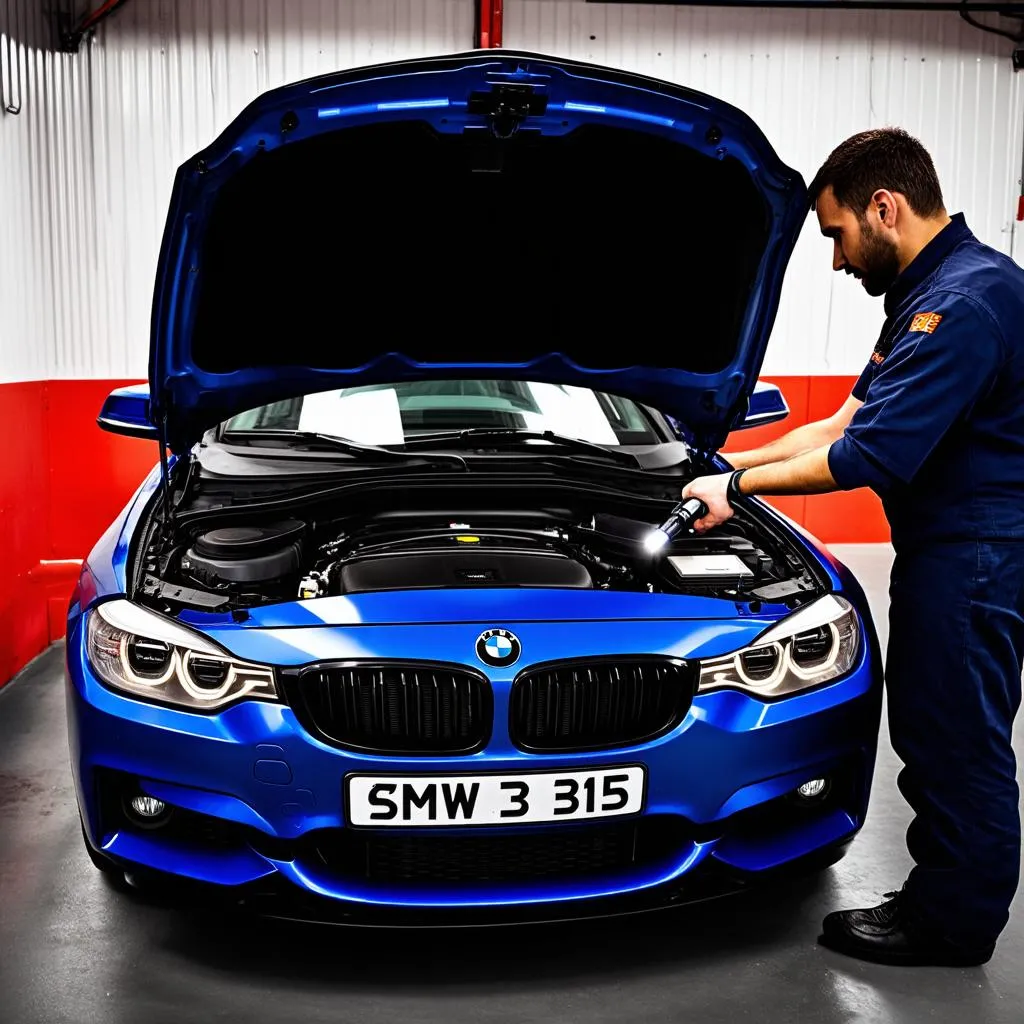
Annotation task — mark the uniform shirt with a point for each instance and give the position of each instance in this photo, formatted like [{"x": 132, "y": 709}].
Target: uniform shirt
[{"x": 940, "y": 436}]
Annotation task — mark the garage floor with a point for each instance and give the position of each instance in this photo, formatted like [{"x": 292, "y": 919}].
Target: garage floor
[{"x": 73, "y": 950}]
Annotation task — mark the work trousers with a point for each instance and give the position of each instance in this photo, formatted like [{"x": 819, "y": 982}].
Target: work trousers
[{"x": 953, "y": 680}]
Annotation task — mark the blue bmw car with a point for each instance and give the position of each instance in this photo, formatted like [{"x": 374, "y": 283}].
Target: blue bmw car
[{"x": 383, "y": 638}]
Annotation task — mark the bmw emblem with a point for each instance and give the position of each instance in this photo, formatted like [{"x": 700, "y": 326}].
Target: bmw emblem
[{"x": 498, "y": 647}]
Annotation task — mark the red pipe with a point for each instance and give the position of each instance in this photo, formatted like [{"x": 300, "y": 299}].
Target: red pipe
[
  {"x": 98, "y": 15},
  {"x": 72, "y": 39},
  {"x": 497, "y": 23},
  {"x": 490, "y": 16}
]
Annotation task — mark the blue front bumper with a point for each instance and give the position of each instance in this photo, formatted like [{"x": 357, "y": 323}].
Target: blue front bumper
[{"x": 718, "y": 791}]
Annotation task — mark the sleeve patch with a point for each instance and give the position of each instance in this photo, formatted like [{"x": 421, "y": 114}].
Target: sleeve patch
[{"x": 926, "y": 322}]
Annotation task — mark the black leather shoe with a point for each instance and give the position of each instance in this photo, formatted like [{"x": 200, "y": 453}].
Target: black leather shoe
[{"x": 883, "y": 935}]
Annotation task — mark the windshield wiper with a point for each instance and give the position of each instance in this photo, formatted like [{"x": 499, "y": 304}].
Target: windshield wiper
[
  {"x": 513, "y": 436},
  {"x": 342, "y": 444}
]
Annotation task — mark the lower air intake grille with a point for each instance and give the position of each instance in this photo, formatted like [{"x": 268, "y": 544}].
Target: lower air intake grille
[
  {"x": 567, "y": 851},
  {"x": 599, "y": 703},
  {"x": 395, "y": 708},
  {"x": 500, "y": 858}
]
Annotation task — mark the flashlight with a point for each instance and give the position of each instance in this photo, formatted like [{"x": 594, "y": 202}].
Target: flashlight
[{"x": 681, "y": 518}]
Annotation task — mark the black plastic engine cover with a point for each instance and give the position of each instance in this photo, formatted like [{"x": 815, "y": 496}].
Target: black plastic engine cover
[
  {"x": 246, "y": 554},
  {"x": 477, "y": 568},
  {"x": 237, "y": 542}
]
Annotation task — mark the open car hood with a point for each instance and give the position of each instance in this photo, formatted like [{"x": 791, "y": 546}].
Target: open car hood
[{"x": 490, "y": 214}]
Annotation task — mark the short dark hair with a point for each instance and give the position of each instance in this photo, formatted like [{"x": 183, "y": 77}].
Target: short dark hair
[{"x": 887, "y": 158}]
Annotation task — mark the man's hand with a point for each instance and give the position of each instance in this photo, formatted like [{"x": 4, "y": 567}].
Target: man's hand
[
  {"x": 710, "y": 490},
  {"x": 803, "y": 474}
]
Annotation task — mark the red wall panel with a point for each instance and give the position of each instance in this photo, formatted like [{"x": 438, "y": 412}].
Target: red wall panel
[
  {"x": 23, "y": 508},
  {"x": 86, "y": 493},
  {"x": 797, "y": 394},
  {"x": 62, "y": 480},
  {"x": 846, "y": 516}
]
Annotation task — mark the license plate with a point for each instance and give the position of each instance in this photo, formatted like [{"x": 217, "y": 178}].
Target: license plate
[{"x": 380, "y": 801}]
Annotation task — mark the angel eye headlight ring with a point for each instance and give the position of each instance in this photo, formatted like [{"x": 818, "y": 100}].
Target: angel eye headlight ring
[
  {"x": 123, "y": 640},
  {"x": 835, "y": 622}
]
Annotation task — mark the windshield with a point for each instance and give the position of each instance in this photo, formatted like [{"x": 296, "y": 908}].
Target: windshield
[{"x": 391, "y": 414}]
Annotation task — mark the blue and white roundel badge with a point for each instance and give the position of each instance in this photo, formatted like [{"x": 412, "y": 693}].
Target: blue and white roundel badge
[{"x": 498, "y": 647}]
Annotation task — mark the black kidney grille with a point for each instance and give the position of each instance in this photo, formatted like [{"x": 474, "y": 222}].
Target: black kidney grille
[
  {"x": 590, "y": 705},
  {"x": 396, "y": 708}
]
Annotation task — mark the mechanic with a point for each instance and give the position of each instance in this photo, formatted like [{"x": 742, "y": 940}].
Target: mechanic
[{"x": 935, "y": 426}]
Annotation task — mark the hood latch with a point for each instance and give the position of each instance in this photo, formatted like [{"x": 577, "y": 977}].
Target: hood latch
[{"x": 506, "y": 107}]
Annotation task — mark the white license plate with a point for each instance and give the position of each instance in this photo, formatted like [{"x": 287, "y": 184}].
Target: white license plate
[{"x": 379, "y": 801}]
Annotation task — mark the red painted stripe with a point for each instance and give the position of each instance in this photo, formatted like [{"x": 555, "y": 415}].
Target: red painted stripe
[{"x": 62, "y": 481}]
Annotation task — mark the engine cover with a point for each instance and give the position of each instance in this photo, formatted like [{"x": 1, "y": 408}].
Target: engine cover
[
  {"x": 246, "y": 554},
  {"x": 480, "y": 567}
]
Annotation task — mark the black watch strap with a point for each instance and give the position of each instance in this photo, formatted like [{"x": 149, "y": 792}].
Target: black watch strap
[{"x": 732, "y": 490}]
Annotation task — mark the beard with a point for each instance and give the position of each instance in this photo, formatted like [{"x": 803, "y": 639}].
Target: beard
[{"x": 880, "y": 262}]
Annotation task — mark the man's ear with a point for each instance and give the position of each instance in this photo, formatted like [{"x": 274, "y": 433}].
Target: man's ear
[{"x": 884, "y": 204}]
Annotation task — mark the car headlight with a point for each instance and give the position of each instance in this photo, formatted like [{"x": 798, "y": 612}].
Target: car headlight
[
  {"x": 810, "y": 647},
  {"x": 144, "y": 654}
]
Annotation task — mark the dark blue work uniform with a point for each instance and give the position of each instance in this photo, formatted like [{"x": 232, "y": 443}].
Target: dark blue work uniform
[{"x": 940, "y": 438}]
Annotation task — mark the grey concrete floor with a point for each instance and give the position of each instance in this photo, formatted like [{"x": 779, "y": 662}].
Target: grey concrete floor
[{"x": 73, "y": 950}]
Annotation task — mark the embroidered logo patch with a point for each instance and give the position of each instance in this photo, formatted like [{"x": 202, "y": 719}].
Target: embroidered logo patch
[{"x": 926, "y": 322}]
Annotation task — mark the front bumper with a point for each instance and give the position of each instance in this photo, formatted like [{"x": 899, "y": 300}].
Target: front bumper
[{"x": 259, "y": 803}]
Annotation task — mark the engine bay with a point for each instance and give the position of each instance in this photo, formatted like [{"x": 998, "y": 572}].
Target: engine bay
[{"x": 284, "y": 558}]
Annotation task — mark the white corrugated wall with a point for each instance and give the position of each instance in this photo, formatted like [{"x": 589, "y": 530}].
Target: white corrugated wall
[
  {"x": 86, "y": 167},
  {"x": 811, "y": 79},
  {"x": 26, "y": 254}
]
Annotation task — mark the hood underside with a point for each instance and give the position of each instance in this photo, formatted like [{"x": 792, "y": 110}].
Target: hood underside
[{"x": 489, "y": 214}]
